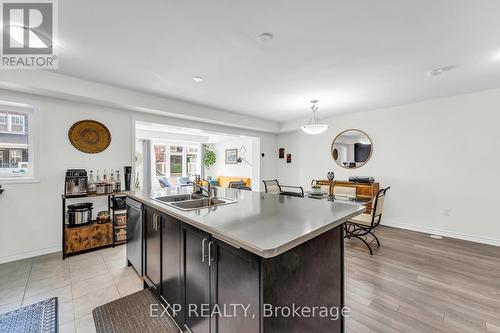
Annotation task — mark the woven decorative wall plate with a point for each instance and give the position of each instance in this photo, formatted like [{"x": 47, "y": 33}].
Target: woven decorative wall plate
[{"x": 89, "y": 136}]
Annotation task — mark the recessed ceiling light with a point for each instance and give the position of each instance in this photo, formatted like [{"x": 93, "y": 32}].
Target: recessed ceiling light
[
  {"x": 197, "y": 78},
  {"x": 265, "y": 37},
  {"x": 440, "y": 70},
  {"x": 242, "y": 136},
  {"x": 435, "y": 72}
]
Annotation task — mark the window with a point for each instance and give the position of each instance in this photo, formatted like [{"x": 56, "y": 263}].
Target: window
[
  {"x": 15, "y": 157},
  {"x": 192, "y": 161},
  {"x": 175, "y": 166},
  {"x": 12, "y": 122},
  {"x": 160, "y": 158},
  {"x": 3, "y": 122},
  {"x": 17, "y": 123},
  {"x": 174, "y": 161},
  {"x": 17, "y": 153},
  {"x": 176, "y": 149}
]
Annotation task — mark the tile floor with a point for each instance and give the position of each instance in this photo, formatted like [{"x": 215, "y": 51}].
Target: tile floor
[{"x": 81, "y": 283}]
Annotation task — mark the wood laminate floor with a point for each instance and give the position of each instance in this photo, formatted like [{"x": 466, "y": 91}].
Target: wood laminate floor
[{"x": 414, "y": 283}]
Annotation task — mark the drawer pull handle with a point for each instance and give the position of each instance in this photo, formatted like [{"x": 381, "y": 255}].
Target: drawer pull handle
[
  {"x": 210, "y": 259},
  {"x": 203, "y": 256}
]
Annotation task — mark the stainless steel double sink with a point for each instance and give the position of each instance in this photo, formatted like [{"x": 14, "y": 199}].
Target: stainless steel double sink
[{"x": 188, "y": 202}]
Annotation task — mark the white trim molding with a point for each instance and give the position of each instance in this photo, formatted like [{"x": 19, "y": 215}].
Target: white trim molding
[
  {"x": 30, "y": 254},
  {"x": 444, "y": 233}
]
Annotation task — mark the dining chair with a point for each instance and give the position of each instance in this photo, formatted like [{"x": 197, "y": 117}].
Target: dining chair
[
  {"x": 363, "y": 226},
  {"x": 237, "y": 184},
  {"x": 292, "y": 191},
  {"x": 273, "y": 186},
  {"x": 245, "y": 188}
]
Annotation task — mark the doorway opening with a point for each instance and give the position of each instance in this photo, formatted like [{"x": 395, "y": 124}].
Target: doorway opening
[{"x": 171, "y": 156}]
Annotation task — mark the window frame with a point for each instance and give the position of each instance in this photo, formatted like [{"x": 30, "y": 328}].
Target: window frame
[
  {"x": 11, "y": 123},
  {"x": 6, "y": 123},
  {"x": 11, "y": 104},
  {"x": 15, "y": 156},
  {"x": 185, "y": 147}
]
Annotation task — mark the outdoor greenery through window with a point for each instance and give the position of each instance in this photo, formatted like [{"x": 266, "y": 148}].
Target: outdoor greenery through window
[
  {"x": 176, "y": 163},
  {"x": 16, "y": 149}
]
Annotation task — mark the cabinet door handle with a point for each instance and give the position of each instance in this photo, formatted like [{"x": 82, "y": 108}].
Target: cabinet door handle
[
  {"x": 154, "y": 221},
  {"x": 203, "y": 249},
  {"x": 158, "y": 219},
  {"x": 210, "y": 259}
]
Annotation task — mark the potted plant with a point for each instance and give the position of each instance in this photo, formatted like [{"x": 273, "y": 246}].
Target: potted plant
[
  {"x": 209, "y": 158},
  {"x": 315, "y": 188}
]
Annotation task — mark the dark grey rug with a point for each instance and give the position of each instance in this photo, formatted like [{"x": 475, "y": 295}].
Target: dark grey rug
[
  {"x": 131, "y": 314},
  {"x": 40, "y": 317}
]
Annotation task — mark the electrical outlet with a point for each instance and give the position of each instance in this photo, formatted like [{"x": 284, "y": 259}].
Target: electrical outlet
[{"x": 447, "y": 212}]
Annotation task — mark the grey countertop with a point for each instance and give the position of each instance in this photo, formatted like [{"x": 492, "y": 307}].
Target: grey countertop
[{"x": 262, "y": 223}]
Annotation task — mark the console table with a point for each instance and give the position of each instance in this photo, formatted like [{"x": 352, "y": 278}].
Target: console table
[{"x": 363, "y": 190}]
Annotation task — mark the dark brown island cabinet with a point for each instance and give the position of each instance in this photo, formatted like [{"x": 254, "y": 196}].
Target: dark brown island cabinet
[{"x": 210, "y": 286}]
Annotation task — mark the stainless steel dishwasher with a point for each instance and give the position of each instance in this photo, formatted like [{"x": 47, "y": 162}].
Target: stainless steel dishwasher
[{"x": 135, "y": 251}]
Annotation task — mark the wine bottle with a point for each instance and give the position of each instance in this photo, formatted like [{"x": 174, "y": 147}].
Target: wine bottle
[
  {"x": 118, "y": 185},
  {"x": 91, "y": 186},
  {"x": 112, "y": 182}
]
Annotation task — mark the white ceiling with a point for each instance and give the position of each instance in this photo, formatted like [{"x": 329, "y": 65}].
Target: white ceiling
[{"x": 352, "y": 55}]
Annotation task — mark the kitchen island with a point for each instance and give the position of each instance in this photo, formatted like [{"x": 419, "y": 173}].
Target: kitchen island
[{"x": 258, "y": 263}]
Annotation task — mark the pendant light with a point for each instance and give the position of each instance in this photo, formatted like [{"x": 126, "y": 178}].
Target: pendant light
[{"x": 315, "y": 126}]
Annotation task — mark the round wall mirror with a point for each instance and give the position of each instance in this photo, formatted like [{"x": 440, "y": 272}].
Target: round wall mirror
[{"x": 351, "y": 149}]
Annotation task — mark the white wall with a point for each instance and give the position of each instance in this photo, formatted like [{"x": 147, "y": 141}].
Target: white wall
[
  {"x": 435, "y": 155},
  {"x": 30, "y": 214},
  {"x": 247, "y": 170}
]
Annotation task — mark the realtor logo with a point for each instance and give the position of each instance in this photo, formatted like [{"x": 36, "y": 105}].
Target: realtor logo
[{"x": 28, "y": 33}]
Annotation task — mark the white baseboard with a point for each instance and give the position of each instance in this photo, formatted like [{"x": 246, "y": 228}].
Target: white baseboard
[
  {"x": 29, "y": 254},
  {"x": 444, "y": 233}
]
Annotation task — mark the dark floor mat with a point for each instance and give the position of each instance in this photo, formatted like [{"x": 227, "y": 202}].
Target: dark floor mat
[
  {"x": 40, "y": 317},
  {"x": 131, "y": 314}
]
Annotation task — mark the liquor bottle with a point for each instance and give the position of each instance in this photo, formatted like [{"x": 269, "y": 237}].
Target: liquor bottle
[
  {"x": 112, "y": 182},
  {"x": 199, "y": 184},
  {"x": 91, "y": 186},
  {"x": 99, "y": 186},
  {"x": 105, "y": 177},
  {"x": 118, "y": 185}
]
